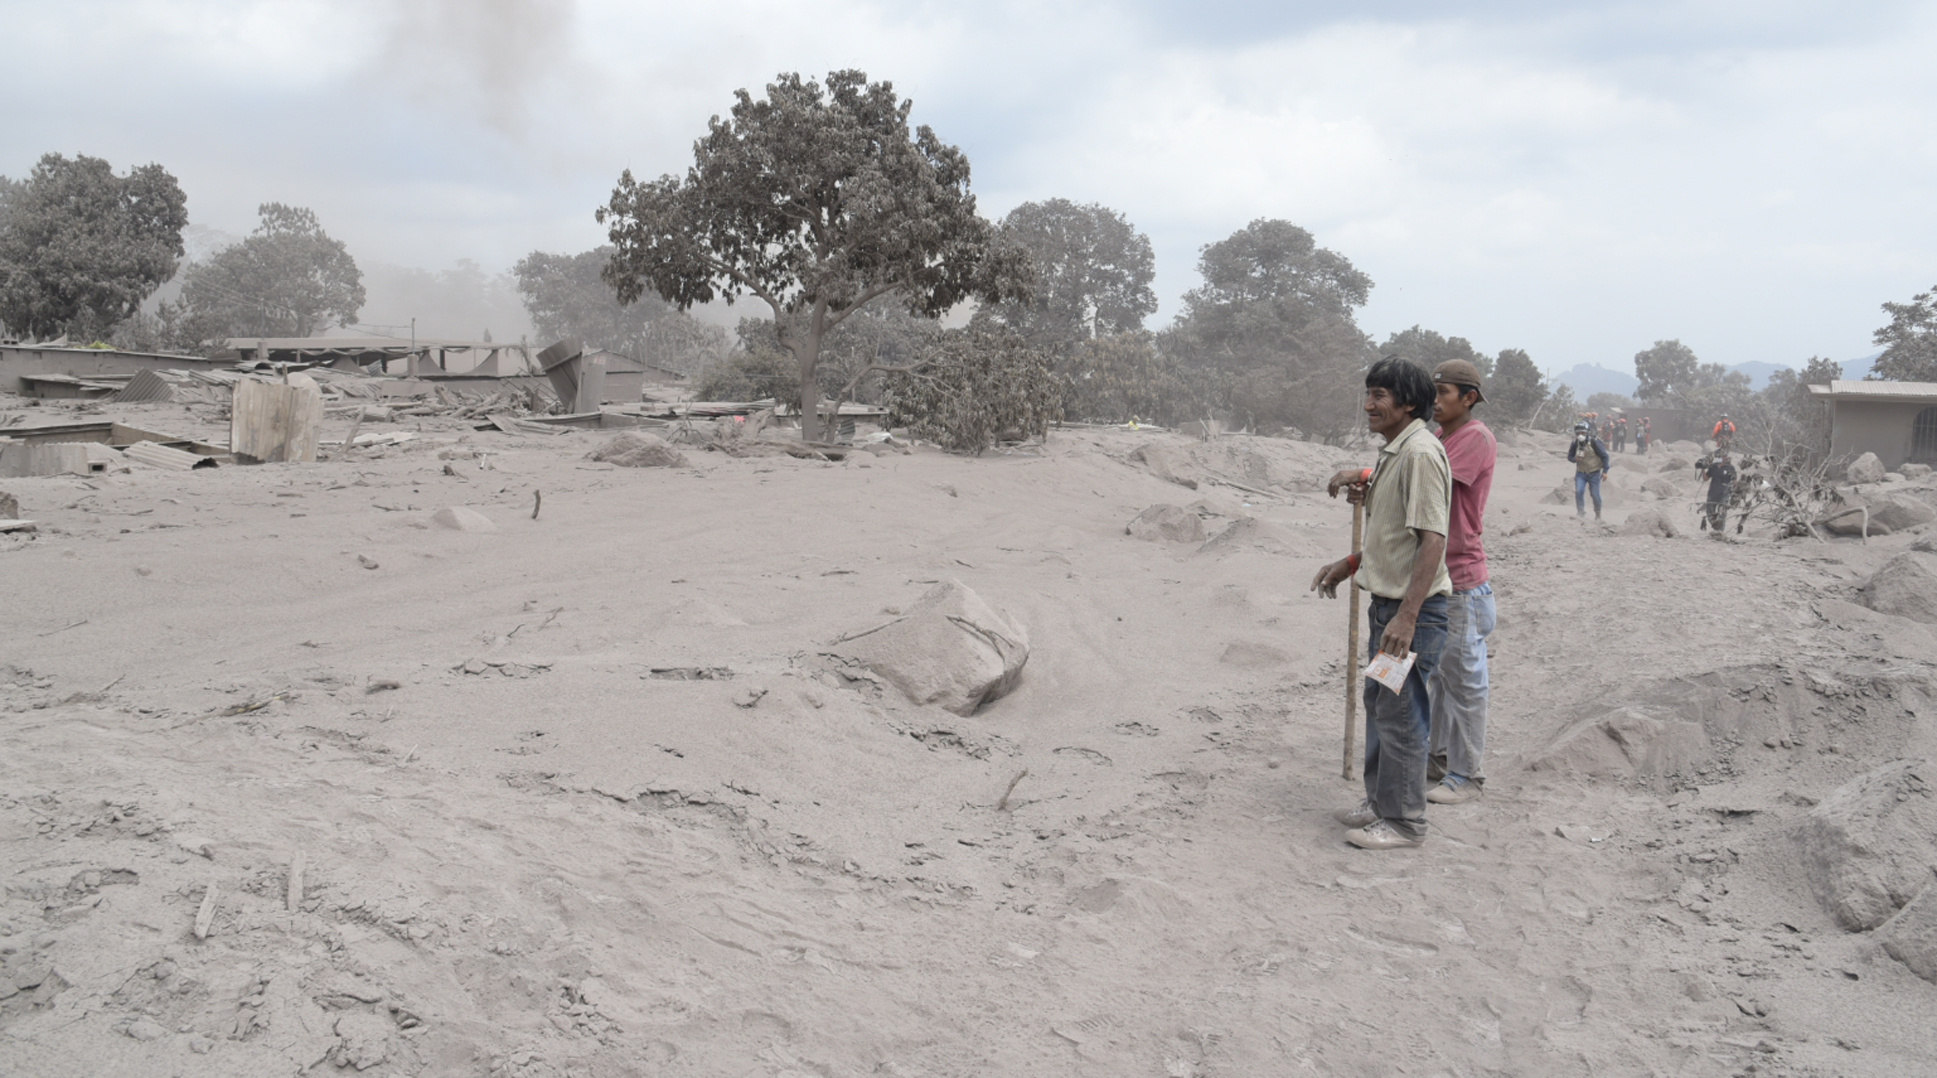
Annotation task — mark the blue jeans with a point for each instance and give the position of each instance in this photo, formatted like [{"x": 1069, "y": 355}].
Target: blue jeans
[
  {"x": 1398, "y": 725},
  {"x": 1459, "y": 687},
  {"x": 1585, "y": 481}
]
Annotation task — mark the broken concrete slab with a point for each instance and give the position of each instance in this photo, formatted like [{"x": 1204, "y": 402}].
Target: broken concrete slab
[
  {"x": 460, "y": 518},
  {"x": 1906, "y": 586},
  {"x": 1871, "y": 846},
  {"x": 1167, "y": 524},
  {"x": 951, "y": 649}
]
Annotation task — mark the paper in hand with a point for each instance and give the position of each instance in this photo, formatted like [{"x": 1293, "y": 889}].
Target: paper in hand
[{"x": 1389, "y": 671}]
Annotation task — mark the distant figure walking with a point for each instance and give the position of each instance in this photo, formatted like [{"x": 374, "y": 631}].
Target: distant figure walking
[
  {"x": 1591, "y": 463},
  {"x": 1724, "y": 433},
  {"x": 1642, "y": 436},
  {"x": 1720, "y": 474},
  {"x": 1620, "y": 434}
]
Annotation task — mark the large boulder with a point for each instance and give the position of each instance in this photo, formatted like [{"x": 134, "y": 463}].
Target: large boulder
[
  {"x": 1911, "y": 936},
  {"x": 950, "y": 649},
  {"x": 1167, "y": 524},
  {"x": 1852, "y": 519},
  {"x": 1871, "y": 846},
  {"x": 1662, "y": 487},
  {"x": 460, "y": 518},
  {"x": 1650, "y": 522},
  {"x": 1900, "y": 512},
  {"x": 632, "y": 450},
  {"x": 1865, "y": 469},
  {"x": 9, "y": 507},
  {"x": 1168, "y": 462},
  {"x": 1906, "y": 586},
  {"x": 1676, "y": 464},
  {"x": 1914, "y": 471}
]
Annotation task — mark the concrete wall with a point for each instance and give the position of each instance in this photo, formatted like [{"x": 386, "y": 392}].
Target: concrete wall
[
  {"x": 16, "y": 360},
  {"x": 1880, "y": 427}
]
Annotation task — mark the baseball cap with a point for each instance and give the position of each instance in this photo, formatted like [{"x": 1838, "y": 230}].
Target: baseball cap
[{"x": 1459, "y": 372}]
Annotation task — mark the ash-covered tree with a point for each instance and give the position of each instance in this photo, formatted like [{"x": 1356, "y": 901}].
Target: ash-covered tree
[
  {"x": 974, "y": 388},
  {"x": 1429, "y": 349},
  {"x": 1516, "y": 389},
  {"x": 81, "y": 248},
  {"x": 1092, "y": 275},
  {"x": 880, "y": 338},
  {"x": 289, "y": 278},
  {"x": 816, "y": 200},
  {"x": 1125, "y": 376},
  {"x": 1909, "y": 341},
  {"x": 1272, "y": 333},
  {"x": 566, "y": 296},
  {"x": 1797, "y": 418},
  {"x": 1668, "y": 371}
]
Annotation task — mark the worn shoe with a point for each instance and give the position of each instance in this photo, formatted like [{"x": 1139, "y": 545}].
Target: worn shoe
[
  {"x": 1356, "y": 817},
  {"x": 1380, "y": 835},
  {"x": 1454, "y": 791}
]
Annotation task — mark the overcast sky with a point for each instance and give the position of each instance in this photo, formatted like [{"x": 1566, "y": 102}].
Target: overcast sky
[{"x": 1753, "y": 178}]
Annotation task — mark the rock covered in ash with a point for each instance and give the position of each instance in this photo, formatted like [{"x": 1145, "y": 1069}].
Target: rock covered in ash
[
  {"x": 1865, "y": 469},
  {"x": 1871, "y": 846},
  {"x": 1167, "y": 524},
  {"x": 951, "y": 649}
]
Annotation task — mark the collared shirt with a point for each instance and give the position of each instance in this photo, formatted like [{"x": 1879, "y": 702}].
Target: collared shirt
[
  {"x": 1471, "y": 450},
  {"x": 1411, "y": 492}
]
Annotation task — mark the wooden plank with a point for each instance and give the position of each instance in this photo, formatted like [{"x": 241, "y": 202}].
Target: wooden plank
[
  {"x": 205, "y": 917},
  {"x": 295, "y": 896},
  {"x": 276, "y": 422}
]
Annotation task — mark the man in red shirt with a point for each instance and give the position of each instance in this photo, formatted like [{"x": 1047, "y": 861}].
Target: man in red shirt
[{"x": 1458, "y": 688}]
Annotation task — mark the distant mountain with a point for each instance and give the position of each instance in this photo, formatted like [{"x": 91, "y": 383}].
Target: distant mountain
[
  {"x": 1855, "y": 369},
  {"x": 1759, "y": 371},
  {"x": 1586, "y": 379}
]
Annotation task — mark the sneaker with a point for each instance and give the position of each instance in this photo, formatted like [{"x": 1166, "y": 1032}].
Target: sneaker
[
  {"x": 1453, "y": 790},
  {"x": 1380, "y": 835},
  {"x": 1356, "y": 817}
]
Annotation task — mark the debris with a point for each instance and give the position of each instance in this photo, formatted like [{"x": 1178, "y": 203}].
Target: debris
[
  {"x": 276, "y": 422},
  {"x": 382, "y": 685},
  {"x": 537, "y": 499},
  {"x": 160, "y": 456},
  {"x": 951, "y": 650},
  {"x": 63, "y": 628},
  {"x": 366, "y": 561},
  {"x": 456, "y": 472},
  {"x": 18, "y": 526},
  {"x": 1002, "y": 804},
  {"x": 690, "y": 673},
  {"x": 9, "y": 506},
  {"x": 294, "y": 898},
  {"x": 1167, "y": 523},
  {"x": 459, "y": 518},
  {"x": 58, "y": 458},
  {"x": 631, "y": 450},
  {"x": 749, "y": 696},
  {"x": 205, "y": 916},
  {"x": 373, "y": 439},
  {"x": 578, "y": 378}
]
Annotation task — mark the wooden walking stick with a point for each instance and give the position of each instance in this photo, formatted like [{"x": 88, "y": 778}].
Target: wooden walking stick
[{"x": 1352, "y": 647}]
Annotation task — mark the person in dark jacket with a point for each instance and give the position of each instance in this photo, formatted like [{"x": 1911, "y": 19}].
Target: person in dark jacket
[
  {"x": 1720, "y": 474},
  {"x": 1591, "y": 463}
]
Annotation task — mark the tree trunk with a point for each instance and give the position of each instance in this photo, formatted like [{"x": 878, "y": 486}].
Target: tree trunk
[
  {"x": 808, "y": 353},
  {"x": 810, "y": 390}
]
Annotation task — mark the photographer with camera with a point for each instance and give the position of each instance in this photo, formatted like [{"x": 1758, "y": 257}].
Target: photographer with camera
[
  {"x": 1591, "y": 463},
  {"x": 1720, "y": 474}
]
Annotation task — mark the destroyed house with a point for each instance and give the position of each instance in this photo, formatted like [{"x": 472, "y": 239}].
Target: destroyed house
[{"x": 1895, "y": 420}]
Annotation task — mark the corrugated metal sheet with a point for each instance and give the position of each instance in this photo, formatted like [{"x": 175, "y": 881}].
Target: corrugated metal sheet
[
  {"x": 146, "y": 386},
  {"x": 160, "y": 456}
]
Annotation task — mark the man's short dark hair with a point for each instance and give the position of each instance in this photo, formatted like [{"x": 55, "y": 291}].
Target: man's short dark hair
[{"x": 1408, "y": 383}]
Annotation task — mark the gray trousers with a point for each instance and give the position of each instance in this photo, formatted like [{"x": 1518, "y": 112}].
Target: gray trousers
[
  {"x": 1399, "y": 724},
  {"x": 1459, "y": 684}
]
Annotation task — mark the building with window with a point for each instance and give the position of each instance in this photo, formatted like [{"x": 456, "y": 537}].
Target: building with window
[{"x": 1895, "y": 420}]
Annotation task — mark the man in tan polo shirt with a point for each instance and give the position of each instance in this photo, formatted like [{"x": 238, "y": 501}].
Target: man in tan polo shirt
[{"x": 1403, "y": 566}]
